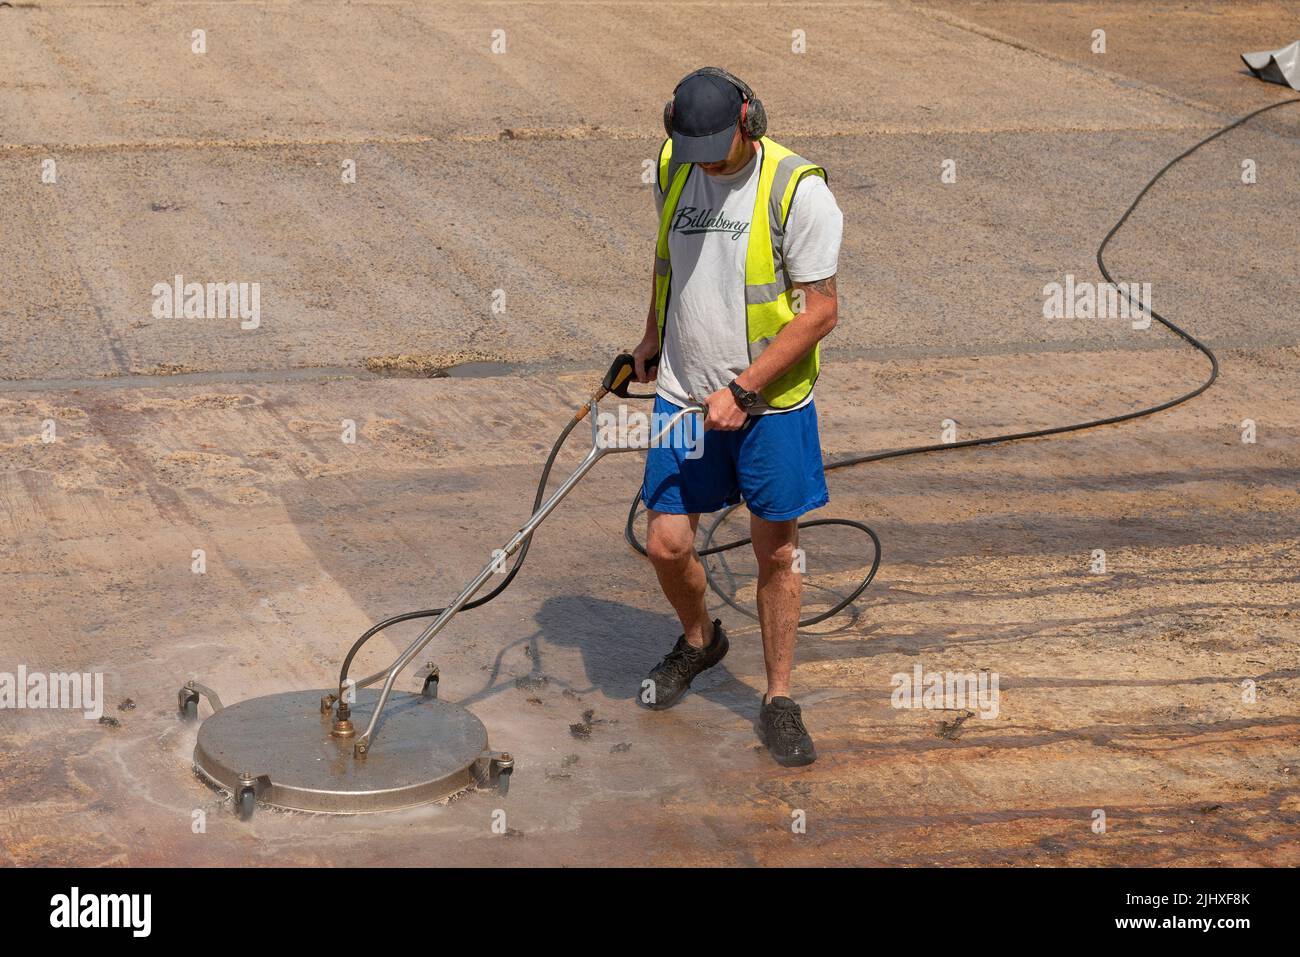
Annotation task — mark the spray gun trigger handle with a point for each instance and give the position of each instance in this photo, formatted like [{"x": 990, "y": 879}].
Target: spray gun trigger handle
[{"x": 622, "y": 373}]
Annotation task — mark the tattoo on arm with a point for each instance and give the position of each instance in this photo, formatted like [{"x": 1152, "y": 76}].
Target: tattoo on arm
[{"x": 823, "y": 287}]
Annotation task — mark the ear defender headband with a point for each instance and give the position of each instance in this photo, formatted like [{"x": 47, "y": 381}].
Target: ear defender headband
[{"x": 753, "y": 118}]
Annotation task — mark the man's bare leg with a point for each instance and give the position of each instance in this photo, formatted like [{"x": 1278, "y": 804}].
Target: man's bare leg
[
  {"x": 779, "y": 584},
  {"x": 670, "y": 543},
  {"x": 779, "y": 587}
]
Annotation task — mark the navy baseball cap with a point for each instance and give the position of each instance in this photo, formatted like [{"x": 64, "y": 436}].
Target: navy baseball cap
[{"x": 706, "y": 111}]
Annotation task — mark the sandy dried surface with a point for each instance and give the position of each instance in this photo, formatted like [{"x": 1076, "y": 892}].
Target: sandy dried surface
[
  {"x": 1119, "y": 691},
  {"x": 1162, "y": 691}
]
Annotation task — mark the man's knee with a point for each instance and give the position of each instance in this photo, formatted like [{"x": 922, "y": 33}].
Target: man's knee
[
  {"x": 668, "y": 550},
  {"x": 776, "y": 545},
  {"x": 669, "y": 542}
]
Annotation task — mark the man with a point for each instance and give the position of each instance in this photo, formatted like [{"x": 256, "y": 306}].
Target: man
[{"x": 749, "y": 238}]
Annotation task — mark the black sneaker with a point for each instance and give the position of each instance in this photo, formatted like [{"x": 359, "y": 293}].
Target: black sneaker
[
  {"x": 780, "y": 722},
  {"x": 672, "y": 676}
]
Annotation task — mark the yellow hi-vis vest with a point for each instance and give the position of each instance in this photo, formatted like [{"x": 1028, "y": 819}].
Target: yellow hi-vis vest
[{"x": 768, "y": 300}]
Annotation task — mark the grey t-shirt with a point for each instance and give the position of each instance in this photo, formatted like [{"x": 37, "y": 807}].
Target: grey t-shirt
[{"x": 705, "y": 341}]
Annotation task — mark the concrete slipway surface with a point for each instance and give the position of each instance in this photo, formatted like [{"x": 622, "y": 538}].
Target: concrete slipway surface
[{"x": 521, "y": 171}]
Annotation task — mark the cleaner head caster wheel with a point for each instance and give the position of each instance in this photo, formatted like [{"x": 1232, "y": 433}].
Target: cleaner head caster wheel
[{"x": 246, "y": 803}]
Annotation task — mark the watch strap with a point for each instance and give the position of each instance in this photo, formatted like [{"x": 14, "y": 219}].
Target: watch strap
[{"x": 744, "y": 398}]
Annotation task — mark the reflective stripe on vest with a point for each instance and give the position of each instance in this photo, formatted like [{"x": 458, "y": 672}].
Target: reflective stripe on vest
[{"x": 768, "y": 291}]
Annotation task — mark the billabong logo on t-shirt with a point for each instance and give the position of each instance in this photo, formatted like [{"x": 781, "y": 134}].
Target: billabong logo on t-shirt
[{"x": 690, "y": 220}]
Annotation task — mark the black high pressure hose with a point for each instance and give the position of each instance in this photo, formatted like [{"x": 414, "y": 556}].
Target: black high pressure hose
[{"x": 711, "y": 549}]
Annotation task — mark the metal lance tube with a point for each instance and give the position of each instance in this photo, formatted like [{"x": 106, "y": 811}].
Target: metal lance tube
[{"x": 599, "y": 449}]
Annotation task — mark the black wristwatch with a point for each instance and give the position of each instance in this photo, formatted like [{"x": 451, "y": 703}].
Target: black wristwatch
[{"x": 744, "y": 398}]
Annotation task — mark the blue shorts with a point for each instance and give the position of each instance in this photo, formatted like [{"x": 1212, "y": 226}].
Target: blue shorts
[{"x": 774, "y": 463}]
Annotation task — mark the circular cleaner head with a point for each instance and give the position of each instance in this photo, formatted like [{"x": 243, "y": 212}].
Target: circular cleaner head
[{"x": 279, "y": 750}]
